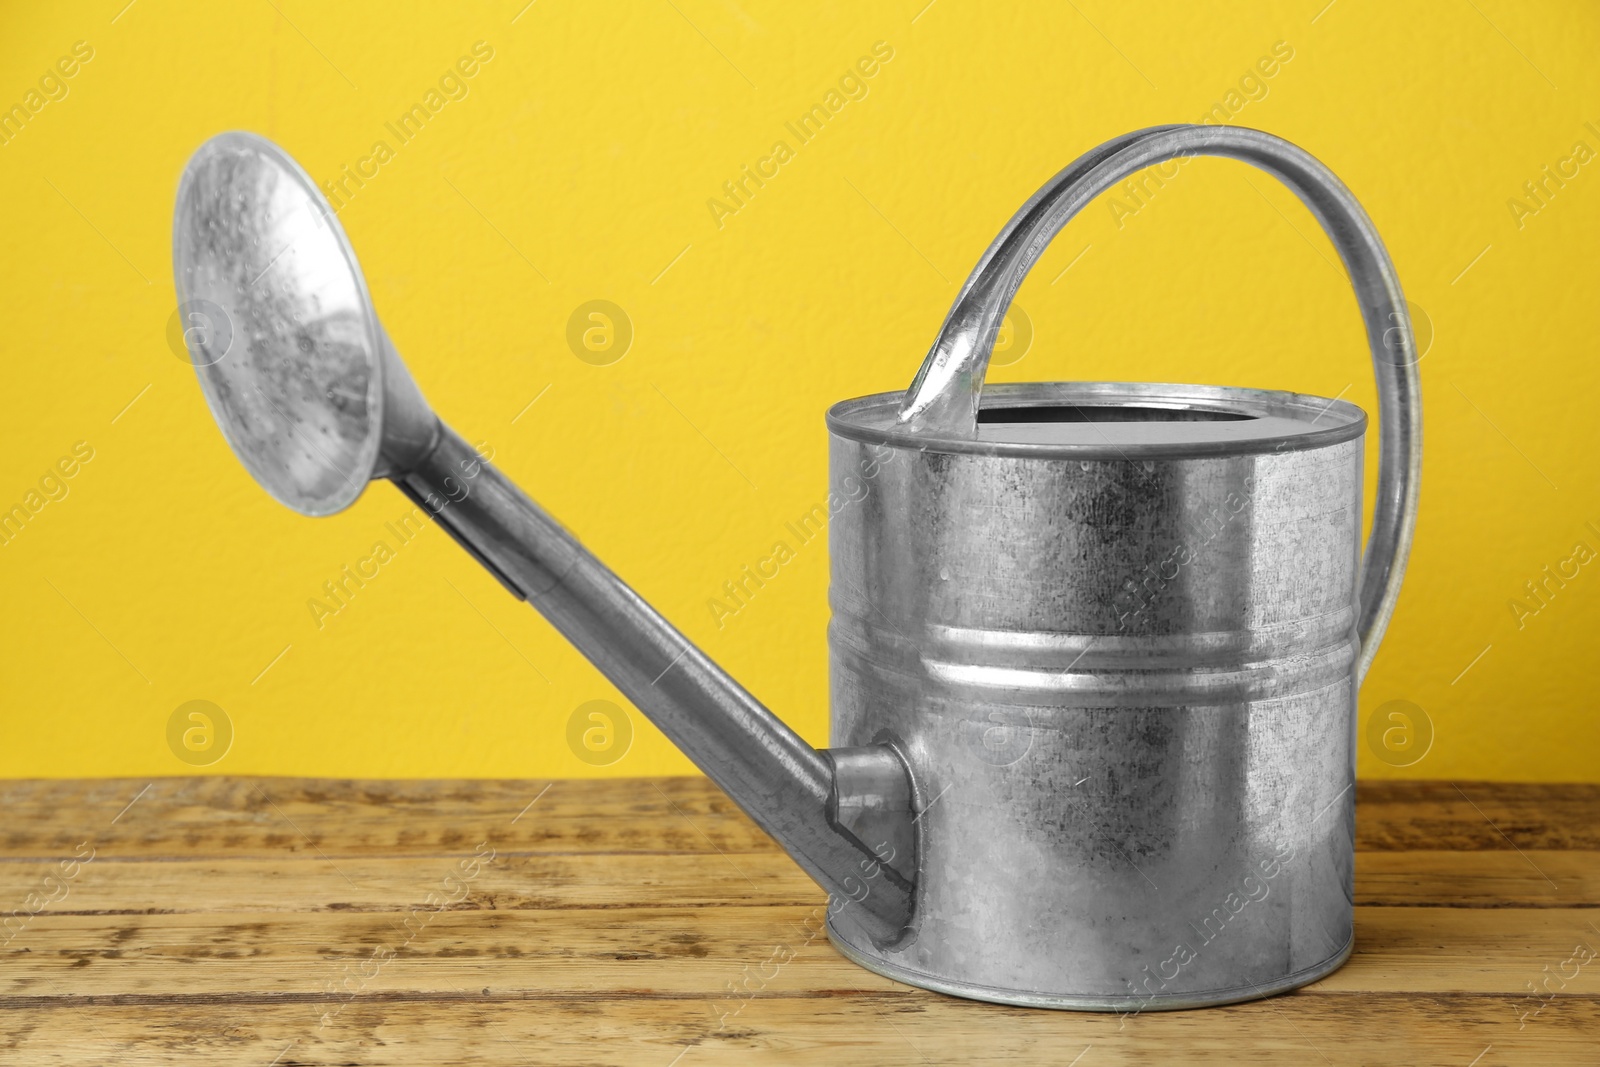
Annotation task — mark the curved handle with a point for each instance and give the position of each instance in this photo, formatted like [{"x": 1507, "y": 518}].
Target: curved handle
[{"x": 944, "y": 394}]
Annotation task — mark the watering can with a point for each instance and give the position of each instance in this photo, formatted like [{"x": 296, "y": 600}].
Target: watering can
[{"x": 1095, "y": 647}]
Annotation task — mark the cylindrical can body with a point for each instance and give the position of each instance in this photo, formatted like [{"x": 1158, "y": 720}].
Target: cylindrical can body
[{"x": 1125, "y": 688}]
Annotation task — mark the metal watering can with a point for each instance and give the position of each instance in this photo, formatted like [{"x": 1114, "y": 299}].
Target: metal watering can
[{"x": 1095, "y": 646}]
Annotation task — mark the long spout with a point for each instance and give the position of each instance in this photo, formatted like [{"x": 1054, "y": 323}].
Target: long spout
[
  {"x": 315, "y": 402},
  {"x": 785, "y": 785}
]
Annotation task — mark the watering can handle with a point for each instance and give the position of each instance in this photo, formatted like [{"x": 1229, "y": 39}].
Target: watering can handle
[{"x": 944, "y": 395}]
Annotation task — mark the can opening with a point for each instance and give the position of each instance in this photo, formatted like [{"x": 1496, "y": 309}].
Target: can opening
[
  {"x": 1104, "y": 413},
  {"x": 1113, "y": 420}
]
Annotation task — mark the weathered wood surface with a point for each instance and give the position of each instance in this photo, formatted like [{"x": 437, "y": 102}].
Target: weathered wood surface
[{"x": 279, "y": 921}]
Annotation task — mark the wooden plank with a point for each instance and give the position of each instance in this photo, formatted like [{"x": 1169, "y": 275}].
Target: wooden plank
[
  {"x": 1523, "y": 879},
  {"x": 198, "y": 817},
  {"x": 509, "y": 883},
  {"x": 686, "y": 951},
  {"x": 308, "y": 881},
  {"x": 700, "y": 952},
  {"x": 913, "y": 1029},
  {"x": 227, "y": 816},
  {"x": 1409, "y": 816}
]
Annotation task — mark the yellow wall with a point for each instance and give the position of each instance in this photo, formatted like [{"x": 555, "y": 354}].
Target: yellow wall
[{"x": 578, "y": 167}]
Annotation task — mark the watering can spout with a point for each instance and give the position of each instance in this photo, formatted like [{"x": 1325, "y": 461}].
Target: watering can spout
[
  {"x": 314, "y": 400},
  {"x": 844, "y": 816}
]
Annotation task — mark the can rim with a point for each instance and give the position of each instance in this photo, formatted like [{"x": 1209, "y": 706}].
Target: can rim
[{"x": 1320, "y": 422}]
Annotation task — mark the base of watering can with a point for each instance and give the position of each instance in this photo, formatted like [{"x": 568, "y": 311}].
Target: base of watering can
[{"x": 1131, "y": 1005}]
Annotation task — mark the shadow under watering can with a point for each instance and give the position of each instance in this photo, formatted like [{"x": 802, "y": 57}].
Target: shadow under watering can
[{"x": 1095, "y": 647}]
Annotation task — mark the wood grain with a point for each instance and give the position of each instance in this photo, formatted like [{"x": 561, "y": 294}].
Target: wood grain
[{"x": 262, "y": 921}]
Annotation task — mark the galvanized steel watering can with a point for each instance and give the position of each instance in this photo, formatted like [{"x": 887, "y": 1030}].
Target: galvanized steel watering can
[{"x": 1095, "y": 646}]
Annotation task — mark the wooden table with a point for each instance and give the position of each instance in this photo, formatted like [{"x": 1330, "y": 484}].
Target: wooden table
[{"x": 646, "y": 921}]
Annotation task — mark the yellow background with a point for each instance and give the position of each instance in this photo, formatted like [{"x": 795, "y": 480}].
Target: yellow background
[{"x": 579, "y": 167}]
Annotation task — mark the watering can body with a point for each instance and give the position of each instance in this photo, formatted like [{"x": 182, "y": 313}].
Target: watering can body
[
  {"x": 1124, "y": 672},
  {"x": 1095, "y": 647}
]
